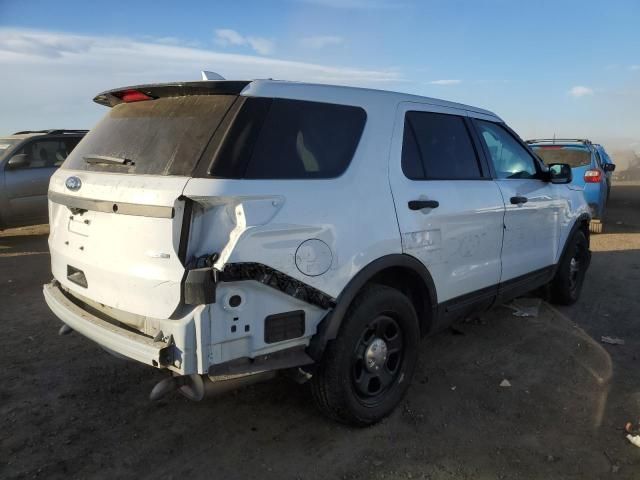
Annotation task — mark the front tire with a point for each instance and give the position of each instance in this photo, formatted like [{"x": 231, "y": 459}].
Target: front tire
[
  {"x": 567, "y": 283},
  {"x": 366, "y": 370}
]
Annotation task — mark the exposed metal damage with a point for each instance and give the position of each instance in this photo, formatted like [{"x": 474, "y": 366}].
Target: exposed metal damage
[{"x": 268, "y": 276}]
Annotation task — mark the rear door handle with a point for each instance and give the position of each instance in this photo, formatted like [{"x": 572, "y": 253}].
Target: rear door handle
[
  {"x": 420, "y": 204},
  {"x": 518, "y": 200}
]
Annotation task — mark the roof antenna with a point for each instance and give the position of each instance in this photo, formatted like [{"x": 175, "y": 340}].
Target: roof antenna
[{"x": 206, "y": 75}]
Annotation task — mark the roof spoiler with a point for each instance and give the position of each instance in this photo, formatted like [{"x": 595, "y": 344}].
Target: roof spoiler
[{"x": 111, "y": 98}]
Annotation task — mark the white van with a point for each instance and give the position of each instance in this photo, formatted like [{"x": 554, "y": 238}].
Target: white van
[{"x": 225, "y": 230}]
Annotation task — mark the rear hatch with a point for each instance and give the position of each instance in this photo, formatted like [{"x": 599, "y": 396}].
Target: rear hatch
[{"x": 116, "y": 209}]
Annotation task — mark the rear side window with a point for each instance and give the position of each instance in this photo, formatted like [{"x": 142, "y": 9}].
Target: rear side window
[
  {"x": 165, "y": 136},
  {"x": 437, "y": 146},
  {"x": 290, "y": 139}
]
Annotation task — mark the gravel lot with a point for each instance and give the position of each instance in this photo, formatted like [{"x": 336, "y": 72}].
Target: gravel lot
[{"x": 70, "y": 410}]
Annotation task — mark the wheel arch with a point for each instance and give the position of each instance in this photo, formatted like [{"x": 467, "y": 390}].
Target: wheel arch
[
  {"x": 400, "y": 271},
  {"x": 581, "y": 223}
]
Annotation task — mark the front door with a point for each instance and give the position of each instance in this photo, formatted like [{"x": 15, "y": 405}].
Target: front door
[
  {"x": 449, "y": 209},
  {"x": 533, "y": 208}
]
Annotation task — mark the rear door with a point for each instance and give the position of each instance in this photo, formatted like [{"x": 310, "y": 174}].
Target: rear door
[
  {"x": 449, "y": 210},
  {"x": 26, "y": 187},
  {"x": 533, "y": 207}
]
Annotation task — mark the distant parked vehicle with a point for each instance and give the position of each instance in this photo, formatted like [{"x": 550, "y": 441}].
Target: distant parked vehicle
[
  {"x": 632, "y": 173},
  {"x": 606, "y": 160},
  {"x": 589, "y": 171},
  {"x": 27, "y": 161}
]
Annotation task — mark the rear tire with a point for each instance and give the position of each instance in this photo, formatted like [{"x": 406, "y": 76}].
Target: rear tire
[
  {"x": 366, "y": 370},
  {"x": 567, "y": 283}
]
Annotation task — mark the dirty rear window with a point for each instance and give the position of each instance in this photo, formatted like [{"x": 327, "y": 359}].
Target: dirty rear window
[
  {"x": 165, "y": 136},
  {"x": 574, "y": 156}
]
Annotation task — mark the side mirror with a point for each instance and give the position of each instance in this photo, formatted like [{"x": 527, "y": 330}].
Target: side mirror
[
  {"x": 19, "y": 161},
  {"x": 560, "y": 173},
  {"x": 609, "y": 167}
]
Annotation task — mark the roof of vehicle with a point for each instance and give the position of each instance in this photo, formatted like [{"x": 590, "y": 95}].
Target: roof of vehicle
[
  {"x": 287, "y": 89},
  {"x": 277, "y": 88},
  {"x": 34, "y": 133},
  {"x": 559, "y": 141}
]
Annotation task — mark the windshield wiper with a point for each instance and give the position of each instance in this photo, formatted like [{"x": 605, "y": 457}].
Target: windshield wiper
[{"x": 107, "y": 160}]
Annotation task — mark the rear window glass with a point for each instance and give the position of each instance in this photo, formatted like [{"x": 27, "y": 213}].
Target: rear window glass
[
  {"x": 574, "y": 156},
  {"x": 165, "y": 136},
  {"x": 290, "y": 139},
  {"x": 437, "y": 146}
]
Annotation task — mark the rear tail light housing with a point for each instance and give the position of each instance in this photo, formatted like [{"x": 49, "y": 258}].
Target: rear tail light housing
[
  {"x": 592, "y": 176},
  {"x": 129, "y": 96}
]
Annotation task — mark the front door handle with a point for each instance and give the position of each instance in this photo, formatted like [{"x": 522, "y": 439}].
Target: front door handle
[
  {"x": 420, "y": 204},
  {"x": 518, "y": 200}
]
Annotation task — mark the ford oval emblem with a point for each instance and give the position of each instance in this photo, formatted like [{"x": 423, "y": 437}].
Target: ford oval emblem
[{"x": 73, "y": 184}]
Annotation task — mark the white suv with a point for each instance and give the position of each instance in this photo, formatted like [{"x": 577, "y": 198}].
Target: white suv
[{"x": 225, "y": 230}]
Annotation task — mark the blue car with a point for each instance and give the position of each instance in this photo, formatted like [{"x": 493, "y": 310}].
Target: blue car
[{"x": 588, "y": 168}]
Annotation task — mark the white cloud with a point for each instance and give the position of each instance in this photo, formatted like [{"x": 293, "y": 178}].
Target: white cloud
[
  {"x": 225, "y": 37},
  {"x": 57, "y": 74},
  {"x": 445, "y": 82},
  {"x": 321, "y": 41},
  {"x": 261, "y": 45},
  {"x": 580, "y": 91}
]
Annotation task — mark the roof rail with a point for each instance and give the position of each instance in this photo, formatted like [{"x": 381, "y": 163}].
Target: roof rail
[
  {"x": 51, "y": 132},
  {"x": 559, "y": 140}
]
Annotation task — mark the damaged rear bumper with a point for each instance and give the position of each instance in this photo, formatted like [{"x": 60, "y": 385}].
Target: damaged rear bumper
[{"x": 130, "y": 344}]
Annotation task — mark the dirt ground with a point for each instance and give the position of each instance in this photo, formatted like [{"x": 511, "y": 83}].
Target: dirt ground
[{"x": 70, "y": 410}]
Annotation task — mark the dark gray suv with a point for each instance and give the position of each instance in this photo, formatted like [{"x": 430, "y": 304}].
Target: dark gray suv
[{"x": 27, "y": 161}]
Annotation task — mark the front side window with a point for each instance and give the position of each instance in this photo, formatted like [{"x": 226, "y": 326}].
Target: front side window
[
  {"x": 6, "y": 145},
  {"x": 598, "y": 159},
  {"x": 510, "y": 159},
  {"x": 437, "y": 146},
  {"x": 46, "y": 153}
]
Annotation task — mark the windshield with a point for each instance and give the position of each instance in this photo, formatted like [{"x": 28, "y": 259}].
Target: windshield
[
  {"x": 572, "y": 155},
  {"x": 6, "y": 145},
  {"x": 165, "y": 136}
]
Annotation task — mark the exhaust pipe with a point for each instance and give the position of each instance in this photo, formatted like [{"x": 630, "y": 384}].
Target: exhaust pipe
[{"x": 198, "y": 387}]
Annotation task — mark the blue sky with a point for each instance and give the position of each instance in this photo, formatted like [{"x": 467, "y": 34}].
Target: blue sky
[{"x": 564, "y": 67}]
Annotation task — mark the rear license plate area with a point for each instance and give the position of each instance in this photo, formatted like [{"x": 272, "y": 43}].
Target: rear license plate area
[{"x": 79, "y": 224}]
